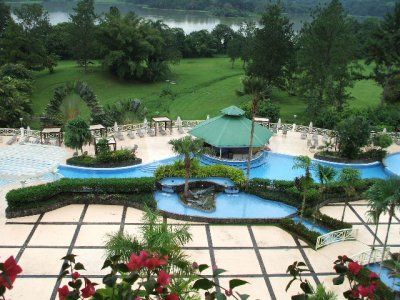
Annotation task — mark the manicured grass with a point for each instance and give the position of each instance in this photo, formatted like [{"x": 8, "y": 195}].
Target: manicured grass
[{"x": 203, "y": 86}]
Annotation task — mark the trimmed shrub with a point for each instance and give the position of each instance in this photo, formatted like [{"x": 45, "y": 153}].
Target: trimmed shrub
[
  {"x": 300, "y": 230},
  {"x": 326, "y": 221},
  {"x": 107, "y": 159},
  {"x": 35, "y": 196},
  {"x": 198, "y": 171}
]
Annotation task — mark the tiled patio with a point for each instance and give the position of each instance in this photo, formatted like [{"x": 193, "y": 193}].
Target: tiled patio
[{"x": 258, "y": 254}]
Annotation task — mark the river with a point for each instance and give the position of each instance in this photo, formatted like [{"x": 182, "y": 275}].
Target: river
[{"x": 187, "y": 20}]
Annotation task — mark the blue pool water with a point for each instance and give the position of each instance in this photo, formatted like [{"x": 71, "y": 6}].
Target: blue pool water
[
  {"x": 239, "y": 205},
  {"x": 393, "y": 283},
  {"x": 311, "y": 226},
  {"x": 276, "y": 166},
  {"x": 392, "y": 162},
  {"x": 173, "y": 181}
]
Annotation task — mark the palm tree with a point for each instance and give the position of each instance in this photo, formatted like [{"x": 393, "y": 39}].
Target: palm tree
[
  {"x": 304, "y": 182},
  {"x": 325, "y": 174},
  {"x": 189, "y": 147},
  {"x": 256, "y": 87},
  {"x": 349, "y": 177},
  {"x": 77, "y": 133},
  {"x": 386, "y": 194}
]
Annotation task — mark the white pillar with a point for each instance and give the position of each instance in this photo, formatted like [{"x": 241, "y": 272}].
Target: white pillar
[{"x": 22, "y": 132}]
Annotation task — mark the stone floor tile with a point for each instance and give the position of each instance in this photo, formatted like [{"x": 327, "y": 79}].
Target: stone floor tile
[
  {"x": 93, "y": 260},
  {"x": 42, "y": 261},
  {"x": 27, "y": 219},
  {"x": 70, "y": 213},
  {"x": 256, "y": 287},
  {"x": 230, "y": 236},
  {"x": 237, "y": 261},
  {"x": 14, "y": 234},
  {"x": 277, "y": 261},
  {"x": 95, "y": 235},
  {"x": 279, "y": 287},
  {"x": 133, "y": 230},
  {"x": 53, "y": 235},
  {"x": 103, "y": 213},
  {"x": 199, "y": 237},
  {"x": 7, "y": 252},
  {"x": 271, "y": 236},
  {"x": 337, "y": 211},
  {"x": 133, "y": 215},
  {"x": 201, "y": 257},
  {"x": 31, "y": 288},
  {"x": 319, "y": 262}
]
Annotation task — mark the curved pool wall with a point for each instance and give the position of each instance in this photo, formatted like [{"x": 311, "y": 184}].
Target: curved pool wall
[
  {"x": 392, "y": 164},
  {"x": 393, "y": 283},
  {"x": 228, "y": 206},
  {"x": 275, "y": 166},
  {"x": 175, "y": 181},
  {"x": 241, "y": 164}
]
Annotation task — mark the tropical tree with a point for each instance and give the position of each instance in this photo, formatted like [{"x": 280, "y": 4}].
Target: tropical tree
[
  {"x": 349, "y": 177},
  {"x": 77, "y": 133},
  {"x": 273, "y": 46},
  {"x": 376, "y": 204},
  {"x": 385, "y": 195},
  {"x": 190, "y": 148},
  {"x": 256, "y": 87},
  {"x": 83, "y": 31},
  {"x": 304, "y": 182},
  {"x": 325, "y": 174}
]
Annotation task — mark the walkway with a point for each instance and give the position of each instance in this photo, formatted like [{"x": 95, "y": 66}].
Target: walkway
[{"x": 258, "y": 254}]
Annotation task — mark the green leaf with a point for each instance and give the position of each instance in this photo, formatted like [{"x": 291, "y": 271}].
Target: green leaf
[
  {"x": 65, "y": 266},
  {"x": 289, "y": 284},
  {"x": 109, "y": 280},
  {"x": 123, "y": 268},
  {"x": 306, "y": 287},
  {"x": 299, "y": 297},
  {"x": 236, "y": 282},
  {"x": 62, "y": 274},
  {"x": 107, "y": 263},
  {"x": 2, "y": 290},
  {"x": 220, "y": 296},
  {"x": 150, "y": 285},
  {"x": 79, "y": 266},
  {"x": 217, "y": 272},
  {"x": 70, "y": 258},
  {"x": 203, "y": 284},
  {"x": 131, "y": 278},
  {"x": 338, "y": 280},
  {"x": 75, "y": 285},
  {"x": 340, "y": 268},
  {"x": 203, "y": 267},
  {"x": 243, "y": 296}
]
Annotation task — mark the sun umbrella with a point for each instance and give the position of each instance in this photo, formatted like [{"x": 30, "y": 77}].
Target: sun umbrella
[
  {"x": 145, "y": 123},
  {"x": 279, "y": 125},
  {"x": 179, "y": 122},
  {"x": 28, "y": 131},
  {"x": 310, "y": 127},
  {"x": 208, "y": 117},
  {"x": 115, "y": 127}
]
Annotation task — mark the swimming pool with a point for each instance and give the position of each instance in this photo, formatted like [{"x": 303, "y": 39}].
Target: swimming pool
[
  {"x": 276, "y": 166},
  {"x": 174, "y": 181},
  {"x": 392, "y": 163},
  {"x": 228, "y": 206},
  {"x": 393, "y": 283}
]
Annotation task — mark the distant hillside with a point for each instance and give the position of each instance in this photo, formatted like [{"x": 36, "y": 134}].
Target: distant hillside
[{"x": 235, "y": 8}]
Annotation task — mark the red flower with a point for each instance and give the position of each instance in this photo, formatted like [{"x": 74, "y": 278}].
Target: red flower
[
  {"x": 155, "y": 262},
  {"x": 10, "y": 271},
  {"x": 137, "y": 262},
  {"x": 344, "y": 257},
  {"x": 75, "y": 275},
  {"x": 366, "y": 291},
  {"x": 159, "y": 290},
  {"x": 172, "y": 297},
  {"x": 163, "y": 278},
  {"x": 63, "y": 292},
  {"x": 89, "y": 289},
  {"x": 354, "y": 268},
  {"x": 373, "y": 276}
]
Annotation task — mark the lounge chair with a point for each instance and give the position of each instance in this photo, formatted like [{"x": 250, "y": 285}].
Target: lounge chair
[
  {"x": 284, "y": 131},
  {"x": 140, "y": 133},
  {"x": 119, "y": 136},
  {"x": 12, "y": 140},
  {"x": 152, "y": 132},
  {"x": 131, "y": 135},
  {"x": 303, "y": 135},
  {"x": 25, "y": 140},
  {"x": 180, "y": 130},
  {"x": 162, "y": 131}
]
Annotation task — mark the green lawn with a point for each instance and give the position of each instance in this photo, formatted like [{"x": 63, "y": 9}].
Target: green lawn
[{"x": 203, "y": 87}]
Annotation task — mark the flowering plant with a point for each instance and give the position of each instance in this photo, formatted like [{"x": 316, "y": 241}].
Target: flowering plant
[
  {"x": 8, "y": 273},
  {"x": 359, "y": 289},
  {"x": 146, "y": 271}
]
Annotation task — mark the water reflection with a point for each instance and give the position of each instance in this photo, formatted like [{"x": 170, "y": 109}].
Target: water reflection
[{"x": 187, "y": 20}]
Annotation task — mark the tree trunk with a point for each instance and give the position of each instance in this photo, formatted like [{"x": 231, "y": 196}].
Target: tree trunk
[
  {"x": 253, "y": 113},
  {"x": 344, "y": 210},
  {"x": 187, "y": 176},
  {"x": 303, "y": 204},
  {"x": 391, "y": 213},
  {"x": 373, "y": 243}
]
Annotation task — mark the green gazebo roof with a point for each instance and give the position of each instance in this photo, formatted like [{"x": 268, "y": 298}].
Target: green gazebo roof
[{"x": 231, "y": 130}]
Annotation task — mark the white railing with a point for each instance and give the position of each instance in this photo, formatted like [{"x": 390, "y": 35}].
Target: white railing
[
  {"x": 9, "y": 131},
  {"x": 335, "y": 237},
  {"x": 371, "y": 256}
]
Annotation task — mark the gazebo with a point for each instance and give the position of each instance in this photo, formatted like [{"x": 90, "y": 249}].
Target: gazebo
[
  {"x": 97, "y": 130},
  {"x": 48, "y": 133},
  {"x": 165, "y": 122},
  {"x": 229, "y": 134}
]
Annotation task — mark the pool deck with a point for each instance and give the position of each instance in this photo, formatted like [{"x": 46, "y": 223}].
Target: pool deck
[{"x": 257, "y": 254}]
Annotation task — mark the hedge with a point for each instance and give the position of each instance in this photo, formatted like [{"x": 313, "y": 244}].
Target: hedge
[
  {"x": 198, "y": 171},
  {"x": 119, "y": 158},
  {"x": 309, "y": 236},
  {"x": 35, "y": 196},
  {"x": 325, "y": 221}
]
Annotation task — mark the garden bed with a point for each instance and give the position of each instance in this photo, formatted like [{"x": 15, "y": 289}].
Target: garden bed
[{"x": 93, "y": 162}]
